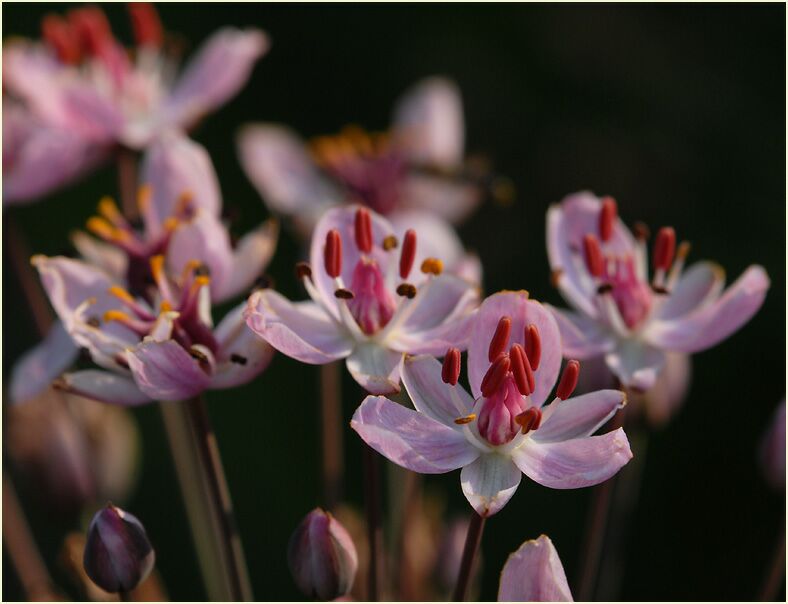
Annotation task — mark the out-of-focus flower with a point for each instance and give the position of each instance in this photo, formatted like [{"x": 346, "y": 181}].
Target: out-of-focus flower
[
  {"x": 601, "y": 269},
  {"x": 503, "y": 431},
  {"x": 417, "y": 166},
  {"x": 322, "y": 557},
  {"x": 73, "y": 451},
  {"x": 118, "y": 555},
  {"x": 534, "y": 573},
  {"x": 180, "y": 203},
  {"x": 78, "y": 93},
  {"x": 773, "y": 450},
  {"x": 371, "y": 301}
]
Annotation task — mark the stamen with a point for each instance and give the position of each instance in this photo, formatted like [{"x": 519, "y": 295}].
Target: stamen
[
  {"x": 407, "y": 290},
  {"x": 122, "y": 294},
  {"x": 101, "y": 227},
  {"x": 461, "y": 421},
  {"x": 530, "y": 419},
  {"x": 432, "y": 266},
  {"x": 344, "y": 294},
  {"x": 109, "y": 210},
  {"x": 495, "y": 375},
  {"x": 641, "y": 230},
  {"x": 390, "y": 242},
  {"x": 522, "y": 371},
  {"x": 146, "y": 24},
  {"x": 500, "y": 338},
  {"x": 450, "y": 373},
  {"x": 333, "y": 254},
  {"x": 135, "y": 325},
  {"x": 303, "y": 270},
  {"x": 533, "y": 346},
  {"x": 555, "y": 277},
  {"x": 568, "y": 382},
  {"x": 664, "y": 248},
  {"x": 408, "y": 255},
  {"x": 593, "y": 255},
  {"x": 92, "y": 28},
  {"x": 58, "y": 34},
  {"x": 363, "y": 230},
  {"x": 607, "y": 218}
]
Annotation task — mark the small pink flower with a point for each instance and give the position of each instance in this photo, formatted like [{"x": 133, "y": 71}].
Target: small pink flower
[
  {"x": 83, "y": 94},
  {"x": 534, "y": 573},
  {"x": 373, "y": 296},
  {"x": 505, "y": 429},
  {"x": 601, "y": 269}
]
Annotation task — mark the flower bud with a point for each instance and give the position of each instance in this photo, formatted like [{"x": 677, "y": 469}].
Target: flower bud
[
  {"x": 322, "y": 557},
  {"x": 118, "y": 555}
]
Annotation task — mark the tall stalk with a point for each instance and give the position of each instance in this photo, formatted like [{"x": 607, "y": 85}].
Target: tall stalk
[
  {"x": 331, "y": 433},
  {"x": 472, "y": 542},
  {"x": 374, "y": 526}
]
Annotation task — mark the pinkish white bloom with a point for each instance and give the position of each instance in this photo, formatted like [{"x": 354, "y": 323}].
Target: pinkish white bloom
[
  {"x": 773, "y": 450},
  {"x": 601, "y": 270},
  {"x": 79, "y": 94},
  {"x": 373, "y": 296},
  {"x": 534, "y": 573},
  {"x": 504, "y": 429}
]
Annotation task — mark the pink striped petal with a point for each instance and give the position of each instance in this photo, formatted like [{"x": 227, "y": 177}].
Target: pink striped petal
[
  {"x": 421, "y": 376},
  {"x": 534, "y": 573},
  {"x": 489, "y": 483},
  {"x": 701, "y": 284},
  {"x": 579, "y": 416},
  {"x": 103, "y": 386},
  {"x": 375, "y": 368},
  {"x": 581, "y": 336},
  {"x": 165, "y": 371}
]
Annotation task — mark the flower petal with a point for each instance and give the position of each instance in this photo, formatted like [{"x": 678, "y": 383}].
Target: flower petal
[
  {"x": 39, "y": 366},
  {"x": 103, "y": 386},
  {"x": 439, "y": 195},
  {"x": 636, "y": 364},
  {"x": 534, "y": 573},
  {"x": 110, "y": 258},
  {"x": 165, "y": 371},
  {"x": 250, "y": 258},
  {"x": 579, "y": 416},
  {"x": 522, "y": 312},
  {"x": 489, "y": 483},
  {"x": 668, "y": 392},
  {"x": 700, "y": 284},
  {"x": 571, "y": 464},
  {"x": 243, "y": 354},
  {"x": 581, "y": 336},
  {"x": 215, "y": 74},
  {"x": 303, "y": 330},
  {"x": 375, "y": 368},
  {"x": 713, "y": 322},
  {"x": 421, "y": 376},
  {"x": 410, "y": 439}
]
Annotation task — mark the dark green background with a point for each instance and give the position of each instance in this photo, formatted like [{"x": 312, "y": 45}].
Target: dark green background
[{"x": 677, "y": 111}]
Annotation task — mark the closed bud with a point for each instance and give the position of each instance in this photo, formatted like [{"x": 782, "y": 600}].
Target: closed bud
[
  {"x": 118, "y": 555},
  {"x": 322, "y": 557}
]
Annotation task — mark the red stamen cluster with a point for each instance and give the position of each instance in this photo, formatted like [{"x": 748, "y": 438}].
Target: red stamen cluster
[
  {"x": 146, "y": 24},
  {"x": 500, "y": 338},
  {"x": 57, "y": 32},
  {"x": 522, "y": 370},
  {"x": 495, "y": 375},
  {"x": 451, "y": 367},
  {"x": 530, "y": 419},
  {"x": 92, "y": 29},
  {"x": 568, "y": 382},
  {"x": 533, "y": 346},
  {"x": 517, "y": 360}
]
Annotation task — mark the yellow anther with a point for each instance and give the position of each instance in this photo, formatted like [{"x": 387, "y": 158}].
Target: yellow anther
[
  {"x": 390, "y": 242},
  {"x": 465, "y": 420},
  {"x": 99, "y": 226},
  {"x": 109, "y": 210},
  {"x": 122, "y": 294},
  {"x": 684, "y": 250},
  {"x": 116, "y": 315},
  {"x": 202, "y": 281},
  {"x": 157, "y": 267},
  {"x": 144, "y": 195},
  {"x": 359, "y": 139},
  {"x": 432, "y": 266},
  {"x": 165, "y": 306}
]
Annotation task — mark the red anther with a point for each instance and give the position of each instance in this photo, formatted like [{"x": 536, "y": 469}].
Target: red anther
[
  {"x": 451, "y": 367},
  {"x": 521, "y": 369},
  {"x": 595, "y": 262},
  {"x": 530, "y": 419},
  {"x": 333, "y": 253},
  {"x": 59, "y": 35},
  {"x": 664, "y": 248},
  {"x": 495, "y": 375},
  {"x": 91, "y": 27},
  {"x": 533, "y": 346},
  {"x": 500, "y": 338},
  {"x": 568, "y": 382},
  {"x": 363, "y": 226},
  {"x": 146, "y": 24},
  {"x": 607, "y": 218},
  {"x": 408, "y": 255}
]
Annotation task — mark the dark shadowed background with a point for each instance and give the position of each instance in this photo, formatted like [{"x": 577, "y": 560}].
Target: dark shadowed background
[{"x": 677, "y": 111}]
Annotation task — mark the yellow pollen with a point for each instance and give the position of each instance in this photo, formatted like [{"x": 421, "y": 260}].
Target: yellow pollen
[
  {"x": 157, "y": 267},
  {"x": 101, "y": 227},
  {"x": 165, "y": 306},
  {"x": 116, "y": 315},
  {"x": 122, "y": 294},
  {"x": 465, "y": 420},
  {"x": 109, "y": 210},
  {"x": 144, "y": 195},
  {"x": 432, "y": 266}
]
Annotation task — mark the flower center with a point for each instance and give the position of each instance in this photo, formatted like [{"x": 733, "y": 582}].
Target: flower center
[{"x": 372, "y": 305}]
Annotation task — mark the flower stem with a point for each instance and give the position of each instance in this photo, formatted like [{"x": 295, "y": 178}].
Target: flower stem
[
  {"x": 127, "y": 181},
  {"x": 472, "y": 541},
  {"x": 773, "y": 580},
  {"x": 374, "y": 527},
  {"x": 331, "y": 433}
]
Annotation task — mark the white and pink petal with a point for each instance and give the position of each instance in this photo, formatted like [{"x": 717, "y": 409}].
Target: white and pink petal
[
  {"x": 489, "y": 483},
  {"x": 534, "y": 573},
  {"x": 421, "y": 376}
]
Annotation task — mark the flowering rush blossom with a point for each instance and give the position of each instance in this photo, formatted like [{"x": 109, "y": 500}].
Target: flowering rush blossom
[
  {"x": 534, "y": 573},
  {"x": 78, "y": 93},
  {"x": 373, "y": 298},
  {"x": 601, "y": 269},
  {"x": 504, "y": 429},
  {"x": 180, "y": 203}
]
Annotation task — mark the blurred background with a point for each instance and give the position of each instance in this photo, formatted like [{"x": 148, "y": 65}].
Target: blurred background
[{"x": 677, "y": 111}]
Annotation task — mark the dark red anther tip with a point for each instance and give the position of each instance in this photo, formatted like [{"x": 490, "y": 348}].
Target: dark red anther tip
[
  {"x": 146, "y": 24},
  {"x": 530, "y": 419},
  {"x": 522, "y": 371},
  {"x": 363, "y": 230},
  {"x": 592, "y": 252},
  {"x": 500, "y": 338},
  {"x": 333, "y": 253},
  {"x": 495, "y": 375},
  {"x": 56, "y": 32},
  {"x": 451, "y": 367},
  {"x": 664, "y": 248},
  {"x": 568, "y": 382},
  {"x": 408, "y": 255},
  {"x": 607, "y": 218},
  {"x": 533, "y": 346}
]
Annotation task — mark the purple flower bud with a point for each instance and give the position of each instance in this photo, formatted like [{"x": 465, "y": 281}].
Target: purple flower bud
[
  {"x": 322, "y": 557},
  {"x": 773, "y": 450},
  {"x": 118, "y": 555}
]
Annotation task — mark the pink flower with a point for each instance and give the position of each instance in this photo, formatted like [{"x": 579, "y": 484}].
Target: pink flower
[
  {"x": 534, "y": 573},
  {"x": 373, "y": 296},
  {"x": 602, "y": 271},
  {"x": 504, "y": 429},
  {"x": 773, "y": 450},
  {"x": 81, "y": 94}
]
